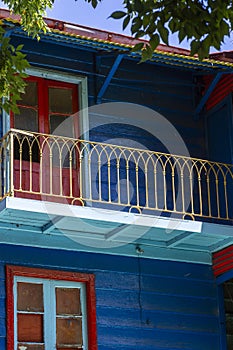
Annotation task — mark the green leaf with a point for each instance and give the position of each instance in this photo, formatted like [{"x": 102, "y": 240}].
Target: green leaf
[
  {"x": 94, "y": 3},
  {"x": 203, "y": 51},
  {"x": 140, "y": 33},
  {"x": 146, "y": 54},
  {"x": 125, "y": 22},
  {"x": 137, "y": 47},
  {"x": 138, "y": 5},
  {"x": 118, "y": 14},
  {"x": 163, "y": 31},
  {"x": 195, "y": 45},
  {"x": 146, "y": 20},
  {"x": 173, "y": 25},
  {"x": 181, "y": 35},
  {"x": 137, "y": 23},
  {"x": 224, "y": 28},
  {"x": 19, "y": 47},
  {"x": 154, "y": 41}
]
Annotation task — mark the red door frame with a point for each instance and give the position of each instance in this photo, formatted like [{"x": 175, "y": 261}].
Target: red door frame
[{"x": 43, "y": 86}]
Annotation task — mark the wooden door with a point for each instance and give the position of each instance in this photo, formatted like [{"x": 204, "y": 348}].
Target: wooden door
[
  {"x": 62, "y": 172},
  {"x": 48, "y": 120}
]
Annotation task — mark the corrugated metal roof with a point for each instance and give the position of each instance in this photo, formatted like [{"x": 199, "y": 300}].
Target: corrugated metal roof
[
  {"x": 223, "y": 261},
  {"x": 104, "y": 41},
  {"x": 221, "y": 90}
]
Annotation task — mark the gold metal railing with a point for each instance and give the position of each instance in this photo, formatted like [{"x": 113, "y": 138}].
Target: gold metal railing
[{"x": 80, "y": 172}]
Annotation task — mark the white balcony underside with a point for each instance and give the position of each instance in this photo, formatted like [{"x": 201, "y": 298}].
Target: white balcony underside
[{"x": 60, "y": 226}]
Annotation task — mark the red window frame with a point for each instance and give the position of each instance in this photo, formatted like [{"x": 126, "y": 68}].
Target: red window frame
[
  {"x": 87, "y": 279},
  {"x": 43, "y": 85}
]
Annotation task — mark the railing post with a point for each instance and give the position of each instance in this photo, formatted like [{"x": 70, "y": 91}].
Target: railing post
[{"x": 11, "y": 165}]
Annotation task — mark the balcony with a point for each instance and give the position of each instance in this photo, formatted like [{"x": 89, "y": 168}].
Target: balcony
[{"x": 84, "y": 173}]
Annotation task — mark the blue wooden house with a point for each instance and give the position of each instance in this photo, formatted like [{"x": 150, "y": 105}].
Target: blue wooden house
[{"x": 116, "y": 203}]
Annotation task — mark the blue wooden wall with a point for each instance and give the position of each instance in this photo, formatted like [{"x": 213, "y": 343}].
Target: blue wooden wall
[
  {"x": 219, "y": 126},
  {"x": 167, "y": 90},
  {"x": 142, "y": 304}
]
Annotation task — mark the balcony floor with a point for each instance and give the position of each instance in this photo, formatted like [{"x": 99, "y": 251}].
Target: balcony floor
[{"x": 54, "y": 225}]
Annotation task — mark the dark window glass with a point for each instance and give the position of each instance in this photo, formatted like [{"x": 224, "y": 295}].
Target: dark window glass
[
  {"x": 60, "y": 100},
  {"x": 26, "y": 147},
  {"x": 29, "y": 98},
  {"x": 26, "y": 120},
  {"x": 61, "y": 125}
]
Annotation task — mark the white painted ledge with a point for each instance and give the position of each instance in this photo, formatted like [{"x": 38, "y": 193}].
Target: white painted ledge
[{"x": 91, "y": 213}]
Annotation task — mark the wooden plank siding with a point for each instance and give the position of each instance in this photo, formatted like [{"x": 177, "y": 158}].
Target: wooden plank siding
[
  {"x": 167, "y": 91},
  {"x": 141, "y": 303}
]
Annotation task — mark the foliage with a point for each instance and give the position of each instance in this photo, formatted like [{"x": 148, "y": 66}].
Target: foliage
[
  {"x": 31, "y": 13},
  {"x": 204, "y": 23},
  {"x": 12, "y": 72},
  {"x": 12, "y": 61},
  {"x": 93, "y": 2}
]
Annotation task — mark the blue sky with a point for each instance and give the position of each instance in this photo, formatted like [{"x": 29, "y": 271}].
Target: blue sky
[{"x": 80, "y": 12}]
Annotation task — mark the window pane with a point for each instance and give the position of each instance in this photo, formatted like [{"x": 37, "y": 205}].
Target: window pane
[
  {"x": 68, "y": 301},
  {"x": 60, "y": 100},
  {"x": 26, "y": 120},
  {"x": 69, "y": 331},
  {"x": 30, "y": 328},
  {"x": 29, "y": 98},
  {"x": 30, "y": 297},
  {"x": 31, "y": 346},
  {"x": 61, "y": 125}
]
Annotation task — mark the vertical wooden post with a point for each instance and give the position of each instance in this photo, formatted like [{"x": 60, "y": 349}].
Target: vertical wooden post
[{"x": 11, "y": 165}]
